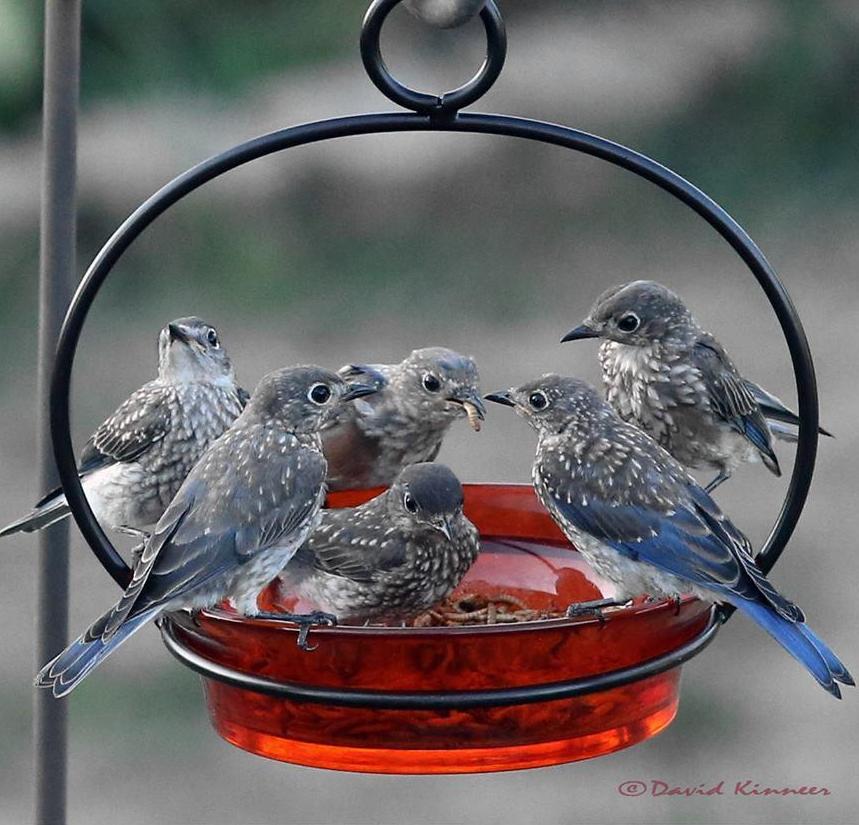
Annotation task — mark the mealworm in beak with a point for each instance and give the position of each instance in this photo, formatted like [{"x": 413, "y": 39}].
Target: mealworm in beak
[{"x": 473, "y": 415}]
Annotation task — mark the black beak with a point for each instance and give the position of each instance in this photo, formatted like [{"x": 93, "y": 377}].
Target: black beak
[
  {"x": 474, "y": 399},
  {"x": 501, "y": 398},
  {"x": 360, "y": 389},
  {"x": 365, "y": 372},
  {"x": 354, "y": 391},
  {"x": 579, "y": 333},
  {"x": 177, "y": 333}
]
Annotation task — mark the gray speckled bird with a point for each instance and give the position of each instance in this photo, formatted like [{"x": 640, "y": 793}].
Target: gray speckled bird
[
  {"x": 135, "y": 461},
  {"x": 643, "y": 522},
  {"x": 391, "y": 558},
  {"x": 405, "y": 422},
  {"x": 665, "y": 374},
  {"x": 249, "y": 503}
]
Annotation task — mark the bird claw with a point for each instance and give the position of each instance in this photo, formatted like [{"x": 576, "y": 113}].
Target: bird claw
[
  {"x": 132, "y": 531},
  {"x": 306, "y": 622},
  {"x": 719, "y": 479},
  {"x": 593, "y": 608}
]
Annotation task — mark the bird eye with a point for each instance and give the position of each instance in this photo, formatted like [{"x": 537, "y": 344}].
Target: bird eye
[
  {"x": 629, "y": 322},
  {"x": 431, "y": 383},
  {"x": 212, "y": 338},
  {"x": 319, "y": 393},
  {"x": 538, "y": 400},
  {"x": 409, "y": 503}
]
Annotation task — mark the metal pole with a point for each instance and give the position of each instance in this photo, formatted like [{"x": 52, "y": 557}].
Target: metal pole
[{"x": 56, "y": 279}]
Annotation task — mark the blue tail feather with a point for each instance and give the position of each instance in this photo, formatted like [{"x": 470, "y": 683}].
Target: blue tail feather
[
  {"x": 72, "y": 666},
  {"x": 803, "y": 644}
]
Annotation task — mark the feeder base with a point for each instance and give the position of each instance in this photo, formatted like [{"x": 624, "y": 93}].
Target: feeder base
[{"x": 447, "y": 761}]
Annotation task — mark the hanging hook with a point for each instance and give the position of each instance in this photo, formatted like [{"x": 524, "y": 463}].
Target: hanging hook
[
  {"x": 447, "y": 103},
  {"x": 444, "y": 14}
]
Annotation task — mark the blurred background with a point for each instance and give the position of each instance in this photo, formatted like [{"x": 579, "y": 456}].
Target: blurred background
[{"x": 368, "y": 247}]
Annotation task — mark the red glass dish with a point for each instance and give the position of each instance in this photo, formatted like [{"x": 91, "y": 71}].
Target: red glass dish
[{"x": 523, "y": 554}]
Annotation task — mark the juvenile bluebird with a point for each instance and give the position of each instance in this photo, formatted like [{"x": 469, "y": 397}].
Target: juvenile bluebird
[
  {"x": 643, "y": 522},
  {"x": 393, "y": 557},
  {"x": 665, "y": 374},
  {"x": 135, "y": 461},
  {"x": 405, "y": 422},
  {"x": 245, "y": 508}
]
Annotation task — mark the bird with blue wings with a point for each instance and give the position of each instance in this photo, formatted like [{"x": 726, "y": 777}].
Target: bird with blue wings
[
  {"x": 667, "y": 375},
  {"x": 643, "y": 522},
  {"x": 241, "y": 514}
]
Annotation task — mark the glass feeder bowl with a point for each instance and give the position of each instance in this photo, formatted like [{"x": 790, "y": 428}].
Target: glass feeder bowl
[{"x": 524, "y": 555}]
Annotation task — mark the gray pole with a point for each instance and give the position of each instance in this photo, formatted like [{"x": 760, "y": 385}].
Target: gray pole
[{"x": 56, "y": 279}]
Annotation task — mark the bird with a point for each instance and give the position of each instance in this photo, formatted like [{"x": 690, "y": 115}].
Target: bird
[
  {"x": 392, "y": 557},
  {"x": 643, "y": 522},
  {"x": 134, "y": 463},
  {"x": 673, "y": 379},
  {"x": 248, "y": 504},
  {"x": 405, "y": 422}
]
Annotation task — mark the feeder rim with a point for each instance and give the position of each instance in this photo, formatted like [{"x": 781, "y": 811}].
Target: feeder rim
[
  {"x": 218, "y": 614},
  {"x": 438, "y": 700}
]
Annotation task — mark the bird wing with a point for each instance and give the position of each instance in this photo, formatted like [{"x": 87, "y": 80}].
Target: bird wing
[
  {"x": 142, "y": 420},
  {"x": 232, "y": 505},
  {"x": 774, "y": 408},
  {"x": 730, "y": 396},
  {"x": 354, "y": 544},
  {"x": 652, "y": 511}
]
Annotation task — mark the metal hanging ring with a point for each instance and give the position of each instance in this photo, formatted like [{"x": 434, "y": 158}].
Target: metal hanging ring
[{"x": 447, "y": 103}]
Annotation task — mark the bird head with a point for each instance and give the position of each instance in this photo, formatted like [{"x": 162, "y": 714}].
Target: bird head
[
  {"x": 552, "y": 404},
  {"x": 190, "y": 351},
  {"x": 303, "y": 399},
  {"x": 639, "y": 314},
  {"x": 427, "y": 495},
  {"x": 439, "y": 385}
]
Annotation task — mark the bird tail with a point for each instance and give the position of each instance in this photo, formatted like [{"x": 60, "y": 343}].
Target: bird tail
[
  {"x": 774, "y": 409},
  {"x": 804, "y": 645},
  {"x": 51, "y": 509},
  {"x": 74, "y": 664},
  {"x": 783, "y": 432}
]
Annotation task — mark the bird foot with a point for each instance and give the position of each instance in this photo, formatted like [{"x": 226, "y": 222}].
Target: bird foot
[
  {"x": 719, "y": 479},
  {"x": 675, "y": 598},
  {"x": 306, "y": 622},
  {"x": 132, "y": 531},
  {"x": 593, "y": 608}
]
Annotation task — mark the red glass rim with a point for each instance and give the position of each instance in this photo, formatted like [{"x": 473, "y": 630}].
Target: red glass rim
[{"x": 484, "y": 502}]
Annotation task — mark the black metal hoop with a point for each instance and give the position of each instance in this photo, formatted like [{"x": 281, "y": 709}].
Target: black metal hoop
[
  {"x": 549, "y": 133},
  {"x": 439, "y": 700},
  {"x": 449, "y": 102}
]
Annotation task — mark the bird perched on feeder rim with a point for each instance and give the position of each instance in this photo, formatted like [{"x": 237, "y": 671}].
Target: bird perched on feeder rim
[
  {"x": 643, "y": 522},
  {"x": 673, "y": 379},
  {"x": 246, "y": 507},
  {"x": 136, "y": 460},
  {"x": 393, "y": 557},
  {"x": 406, "y": 421}
]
